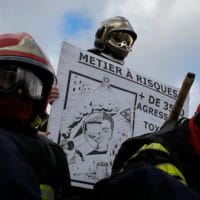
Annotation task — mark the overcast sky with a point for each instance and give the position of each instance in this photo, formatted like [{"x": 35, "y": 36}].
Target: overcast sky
[{"x": 168, "y": 44}]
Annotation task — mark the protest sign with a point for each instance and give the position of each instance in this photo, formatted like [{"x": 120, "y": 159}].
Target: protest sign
[{"x": 102, "y": 104}]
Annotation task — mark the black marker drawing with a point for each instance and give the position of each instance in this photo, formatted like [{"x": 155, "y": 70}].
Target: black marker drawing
[
  {"x": 102, "y": 104},
  {"x": 93, "y": 120}
]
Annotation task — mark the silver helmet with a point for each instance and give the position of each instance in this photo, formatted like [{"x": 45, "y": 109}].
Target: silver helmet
[{"x": 115, "y": 38}]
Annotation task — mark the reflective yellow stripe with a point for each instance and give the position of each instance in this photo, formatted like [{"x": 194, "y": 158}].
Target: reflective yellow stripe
[
  {"x": 165, "y": 167},
  {"x": 36, "y": 122},
  {"x": 47, "y": 192},
  {"x": 172, "y": 170},
  {"x": 152, "y": 146},
  {"x": 43, "y": 122}
]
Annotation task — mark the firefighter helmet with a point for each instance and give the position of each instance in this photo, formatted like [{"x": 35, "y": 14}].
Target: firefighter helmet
[
  {"x": 115, "y": 37},
  {"x": 22, "y": 61}
]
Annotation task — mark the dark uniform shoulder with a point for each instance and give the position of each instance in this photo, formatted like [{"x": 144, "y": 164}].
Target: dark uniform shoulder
[
  {"x": 59, "y": 161},
  {"x": 15, "y": 166},
  {"x": 171, "y": 133},
  {"x": 128, "y": 148}
]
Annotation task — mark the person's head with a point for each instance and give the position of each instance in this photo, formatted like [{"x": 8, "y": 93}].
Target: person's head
[
  {"x": 26, "y": 77},
  {"x": 114, "y": 38},
  {"x": 98, "y": 129}
]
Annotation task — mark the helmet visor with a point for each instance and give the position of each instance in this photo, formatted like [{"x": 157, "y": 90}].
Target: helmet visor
[
  {"x": 13, "y": 76},
  {"x": 122, "y": 40}
]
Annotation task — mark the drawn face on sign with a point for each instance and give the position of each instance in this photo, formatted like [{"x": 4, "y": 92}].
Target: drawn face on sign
[{"x": 98, "y": 130}]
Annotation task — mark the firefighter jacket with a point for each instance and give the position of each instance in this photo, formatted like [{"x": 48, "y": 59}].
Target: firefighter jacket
[
  {"x": 32, "y": 166},
  {"x": 154, "y": 166},
  {"x": 170, "y": 151}
]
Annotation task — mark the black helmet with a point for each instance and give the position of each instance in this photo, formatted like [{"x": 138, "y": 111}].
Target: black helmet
[
  {"x": 27, "y": 63},
  {"x": 115, "y": 38}
]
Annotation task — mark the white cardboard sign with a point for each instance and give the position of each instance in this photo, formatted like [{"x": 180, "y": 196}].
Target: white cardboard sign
[{"x": 102, "y": 104}]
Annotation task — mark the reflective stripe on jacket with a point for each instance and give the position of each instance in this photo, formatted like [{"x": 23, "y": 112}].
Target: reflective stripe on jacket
[
  {"x": 167, "y": 167},
  {"x": 47, "y": 192},
  {"x": 169, "y": 151}
]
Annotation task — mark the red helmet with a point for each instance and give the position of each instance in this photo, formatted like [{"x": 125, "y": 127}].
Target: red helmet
[
  {"x": 32, "y": 67},
  {"x": 22, "y": 47}
]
